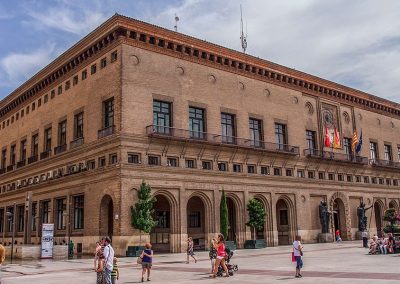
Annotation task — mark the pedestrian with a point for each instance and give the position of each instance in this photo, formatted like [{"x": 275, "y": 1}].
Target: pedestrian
[
  {"x": 147, "y": 260},
  {"x": 337, "y": 236},
  {"x": 219, "y": 245},
  {"x": 108, "y": 255},
  {"x": 298, "y": 253},
  {"x": 99, "y": 268},
  {"x": 2, "y": 254},
  {"x": 190, "y": 250},
  {"x": 213, "y": 255},
  {"x": 115, "y": 271},
  {"x": 70, "y": 249},
  {"x": 364, "y": 235}
]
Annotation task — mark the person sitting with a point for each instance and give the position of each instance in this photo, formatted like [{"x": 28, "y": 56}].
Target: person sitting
[
  {"x": 382, "y": 245},
  {"x": 373, "y": 246},
  {"x": 391, "y": 243}
]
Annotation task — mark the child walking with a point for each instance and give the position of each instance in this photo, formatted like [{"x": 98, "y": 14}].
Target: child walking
[
  {"x": 115, "y": 271},
  {"x": 190, "y": 250}
]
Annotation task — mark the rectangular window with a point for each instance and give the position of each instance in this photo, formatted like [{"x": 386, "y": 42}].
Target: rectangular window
[
  {"x": 113, "y": 159},
  {"x": 277, "y": 172},
  {"x": 311, "y": 141},
  {"x": 373, "y": 150},
  {"x": 133, "y": 158},
  {"x": 347, "y": 148},
  {"x": 331, "y": 176},
  {"x": 340, "y": 177},
  {"x": 222, "y": 166},
  {"x": 47, "y": 140},
  {"x": 349, "y": 178},
  {"x": 59, "y": 92},
  {"x": 33, "y": 108},
  {"x": 84, "y": 75},
  {"x": 321, "y": 175},
  {"x": 52, "y": 94},
  {"x": 75, "y": 80},
  {"x": 67, "y": 85},
  {"x": 300, "y": 174},
  {"x": 311, "y": 174},
  {"x": 34, "y": 214},
  {"x": 62, "y": 133},
  {"x": 103, "y": 62},
  {"x": 61, "y": 208},
  {"x": 45, "y": 211},
  {"x": 251, "y": 169},
  {"x": 388, "y": 181},
  {"x": 91, "y": 164},
  {"x": 46, "y": 98},
  {"x": 398, "y": 153},
  {"x": 358, "y": 179},
  {"x": 381, "y": 181},
  {"x": 387, "y": 150},
  {"x": 228, "y": 128},
  {"x": 3, "y": 158},
  {"x": 102, "y": 162},
  {"x": 114, "y": 56},
  {"x": 395, "y": 182},
  {"x": 35, "y": 145},
  {"x": 79, "y": 203},
  {"x": 190, "y": 163},
  {"x": 12, "y": 154},
  {"x": 172, "y": 162},
  {"x": 283, "y": 217},
  {"x": 39, "y": 103},
  {"x": 373, "y": 180},
  {"x": 154, "y": 160},
  {"x": 78, "y": 126},
  {"x": 10, "y": 219},
  {"x": 280, "y": 135},
  {"x": 108, "y": 112},
  {"x": 237, "y": 168},
  {"x": 2, "y": 220},
  {"x": 197, "y": 123},
  {"x": 264, "y": 170},
  {"x": 206, "y": 165},
  {"x": 162, "y": 117},
  {"x": 289, "y": 172},
  {"x": 366, "y": 179},
  {"x": 256, "y": 132},
  {"x": 21, "y": 218},
  {"x": 22, "y": 149},
  {"x": 93, "y": 69},
  {"x": 194, "y": 220}
]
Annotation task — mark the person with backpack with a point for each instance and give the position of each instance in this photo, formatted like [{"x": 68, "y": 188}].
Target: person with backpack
[
  {"x": 298, "y": 254},
  {"x": 147, "y": 260}
]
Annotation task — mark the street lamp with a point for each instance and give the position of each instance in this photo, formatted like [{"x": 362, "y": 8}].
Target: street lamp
[
  {"x": 68, "y": 231},
  {"x": 11, "y": 219}
]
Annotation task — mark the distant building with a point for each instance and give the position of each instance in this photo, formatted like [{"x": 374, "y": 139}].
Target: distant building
[{"x": 132, "y": 101}]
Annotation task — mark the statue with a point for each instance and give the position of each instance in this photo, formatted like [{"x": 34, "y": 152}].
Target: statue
[
  {"x": 324, "y": 216},
  {"x": 362, "y": 219}
]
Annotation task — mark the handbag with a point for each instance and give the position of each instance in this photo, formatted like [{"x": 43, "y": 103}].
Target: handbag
[
  {"x": 139, "y": 260},
  {"x": 293, "y": 257}
]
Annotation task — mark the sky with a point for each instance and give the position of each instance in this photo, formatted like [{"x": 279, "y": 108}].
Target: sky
[{"x": 355, "y": 43}]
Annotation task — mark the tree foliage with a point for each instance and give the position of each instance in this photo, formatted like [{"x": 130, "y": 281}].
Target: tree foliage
[
  {"x": 224, "y": 221},
  {"x": 143, "y": 212},
  {"x": 256, "y": 215},
  {"x": 392, "y": 217}
]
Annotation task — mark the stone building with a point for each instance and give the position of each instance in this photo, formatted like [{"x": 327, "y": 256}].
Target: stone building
[{"x": 132, "y": 101}]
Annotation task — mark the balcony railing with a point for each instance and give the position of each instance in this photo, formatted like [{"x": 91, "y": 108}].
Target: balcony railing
[
  {"x": 2, "y": 171},
  {"x": 76, "y": 143},
  {"x": 197, "y": 136},
  {"x": 20, "y": 164},
  {"x": 329, "y": 155},
  {"x": 10, "y": 168},
  {"x": 32, "y": 159},
  {"x": 45, "y": 155},
  {"x": 60, "y": 149},
  {"x": 384, "y": 163},
  {"x": 106, "y": 131}
]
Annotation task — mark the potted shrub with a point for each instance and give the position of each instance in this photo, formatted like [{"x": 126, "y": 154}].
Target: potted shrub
[
  {"x": 224, "y": 222},
  {"x": 256, "y": 222}
]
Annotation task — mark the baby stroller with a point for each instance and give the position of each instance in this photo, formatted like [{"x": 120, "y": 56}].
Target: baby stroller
[{"x": 231, "y": 267}]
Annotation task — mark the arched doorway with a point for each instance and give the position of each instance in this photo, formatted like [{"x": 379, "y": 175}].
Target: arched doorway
[
  {"x": 196, "y": 222},
  {"x": 160, "y": 235},
  {"x": 283, "y": 222},
  {"x": 106, "y": 222},
  {"x": 378, "y": 218},
  {"x": 232, "y": 220},
  {"x": 339, "y": 218}
]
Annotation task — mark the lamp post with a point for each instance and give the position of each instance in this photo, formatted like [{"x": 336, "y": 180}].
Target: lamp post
[
  {"x": 68, "y": 231},
  {"x": 11, "y": 217}
]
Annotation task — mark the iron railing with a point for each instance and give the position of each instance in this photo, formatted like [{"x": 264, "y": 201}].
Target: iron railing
[
  {"x": 106, "y": 131},
  {"x": 45, "y": 155},
  {"x": 60, "y": 149},
  {"x": 20, "y": 164},
  {"x": 340, "y": 157},
  {"x": 76, "y": 143},
  {"x": 10, "y": 168},
  {"x": 384, "y": 163},
  {"x": 32, "y": 159}
]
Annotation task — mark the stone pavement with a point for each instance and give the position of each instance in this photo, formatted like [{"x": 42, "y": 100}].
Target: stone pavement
[{"x": 323, "y": 263}]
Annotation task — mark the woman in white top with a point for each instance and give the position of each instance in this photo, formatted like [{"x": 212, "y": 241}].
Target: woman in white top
[{"x": 297, "y": 252}]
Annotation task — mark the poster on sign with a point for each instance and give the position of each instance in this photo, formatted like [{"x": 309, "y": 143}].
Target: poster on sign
[{"x": 47, "y": 240}]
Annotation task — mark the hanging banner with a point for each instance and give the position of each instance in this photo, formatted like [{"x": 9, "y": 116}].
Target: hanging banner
[{"x": 47, "y": 240}]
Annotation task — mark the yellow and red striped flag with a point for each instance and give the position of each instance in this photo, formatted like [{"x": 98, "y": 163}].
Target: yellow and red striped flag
[{"x": 354, "y": 141}]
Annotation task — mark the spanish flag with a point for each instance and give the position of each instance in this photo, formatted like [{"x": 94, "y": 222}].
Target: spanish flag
[
  {"x": 336, "y": 140},
  {"x": 327, "y": 139},
  {"x": 354, "y": 141}
]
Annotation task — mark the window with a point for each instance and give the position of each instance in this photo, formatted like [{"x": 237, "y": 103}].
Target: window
[
  {"x": 133, "y": 158},
  {"x": 23, "y": 150},
  {"x": 264, "y": 170},
  {"x": 35, "y": 145},
  {"x": 84, "y": 75},
  {"x": 33, "y": 108},
  {"x": 46, "y": 98},
  {"x": 283, "y": 217},
  {"x": 373, "y": 150},
  {"x": 162, "y": 117},
  {"x": 277, "y": 171},
  {"x": 300, "y": 174},
  {"x": 380, "y": 180},
  {"x": 172, "y": 162},
  {"x": 103, "y": 63},
  {"x": 52, "y": 94},
  {"x": 34, "y": 214},
  {"x": 108, "y": 112},
  {"x": 197, "y": 123},
  {"x": 79, "y": 212},
  {"x": 237, "y": 168},
  {"x": 75, "y": 80},
  {"x": 373, "y": 180},
  {"x": 358, "y": 179},
  {"x": 3, "y": 158},
  {"x": 93, "y": 69},
  {"x": 78, "y": 126},
  {"x": 59, "y": 90},
  {"x": 321, "y": 175},
  {"x": 206, "y": 165},
  {"x": 22, "y": 115},
  {"x": 398, "y": 153},
  {"x": 102, "y": 162},
  {"x": 366, "y": 179},
  {"x": 340, "y": 177},
  {"x": 17, "y": 116},
  {"x": 12, "y": 154},
  {"x": 190, "y": 163},
  {"x": 228, "y": 128},
  {"x": 311, "y": 141},
  {"x": 67, "y": 85},
  {"x": 347, "y": 148},
  {"x": 154, "y": 160},
  {"x": 2, "y": 220},
  {"x": 222, "y": 166},
  {"x": 91, "y": 164},
  {"x": 61, "y": 207},
  {"x": 311, "y": 174},
  {"x": 194, "y": 220},
  {"x": 39, "y": 103},
  {"x": 256, "y": 133},
  {"x": 162, "y": 218},
  {"x": 395, "y": 182},
  {"x": 47, "y": 140},
  {"x": 20, "y": 216},
  {"x": 114, "y": 56},
  {"x": 289, "y": 172},
  {"x": 349, "y": 178},
  {"x": 280, "y": 135},
  {"x": 388, "y": 181},
  {"x": 251, "y": 169},
  {"x": 62, "y": 133},
  {"x": 113, "y": 159},
  {"x": 331, "y": 176},
  {"x": 10, "y": 219},
  {"x": 387, "y": 150},
  {"x": 45, "y": 211}
]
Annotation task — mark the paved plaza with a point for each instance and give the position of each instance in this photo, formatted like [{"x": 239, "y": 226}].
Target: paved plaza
[{"x": 324, "y": 263}]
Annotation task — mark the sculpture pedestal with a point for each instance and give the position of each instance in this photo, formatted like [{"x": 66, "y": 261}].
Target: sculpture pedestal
[
  {"x": 359, "y": 235},
  {"x": 325, "y": 238}
]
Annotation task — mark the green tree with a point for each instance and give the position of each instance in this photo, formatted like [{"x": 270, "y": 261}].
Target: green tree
[
  {"x": 143, "y": 212},
  {"x": 391, "y": 217},
  {"x": 256, "y": 216},
  {"x": 224, "y": 221}
]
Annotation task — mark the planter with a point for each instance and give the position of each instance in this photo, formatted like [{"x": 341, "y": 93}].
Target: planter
[
  {"x": 134, "y": 251},
  {"x": 255, "y": 244},
  {"x": 230, "y": 245}
]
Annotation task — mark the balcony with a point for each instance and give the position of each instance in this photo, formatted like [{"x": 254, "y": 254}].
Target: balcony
[
  {"x": 10, "y": 168},
  {"x": 106, "y": 131},
  {"x": 338, "y": 157},
  {"x": 60, "y": 149},
  {"x": 216, "y": 139},
  {"x": 45, "y": 155},
  {"x": 32, "y": 159},
  {"x": 2, "y": 171},
  {"x": 384, "y": 163},
  {"x": 76, "y": 143},
  {"x": 20, "y": 164}
]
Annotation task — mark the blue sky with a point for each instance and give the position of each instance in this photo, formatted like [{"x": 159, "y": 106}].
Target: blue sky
[{"x": 356, "y": 43}]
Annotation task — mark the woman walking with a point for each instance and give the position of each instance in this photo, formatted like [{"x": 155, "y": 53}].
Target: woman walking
[
  {"x": 298, "y": 253},
  {"x": 219, "y": 245},
  {"x": 190, "y": 250},
  {"x": 147, "y": 260}
]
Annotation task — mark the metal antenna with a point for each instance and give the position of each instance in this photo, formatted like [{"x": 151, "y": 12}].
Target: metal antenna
[
  {"x": 176, "y": 23},
  {"x": 243, "y": 38}
]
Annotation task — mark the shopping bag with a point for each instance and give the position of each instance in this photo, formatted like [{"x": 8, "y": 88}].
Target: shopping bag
[{"x": 293, "y": 257}]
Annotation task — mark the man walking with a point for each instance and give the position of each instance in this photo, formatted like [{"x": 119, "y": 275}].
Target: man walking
[
  {"x": 108, "y": 260},
  {"x": 364, "y": 235}
]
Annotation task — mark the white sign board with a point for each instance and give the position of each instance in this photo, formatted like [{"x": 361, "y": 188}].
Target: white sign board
[{"x": 47, "y": 240}]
